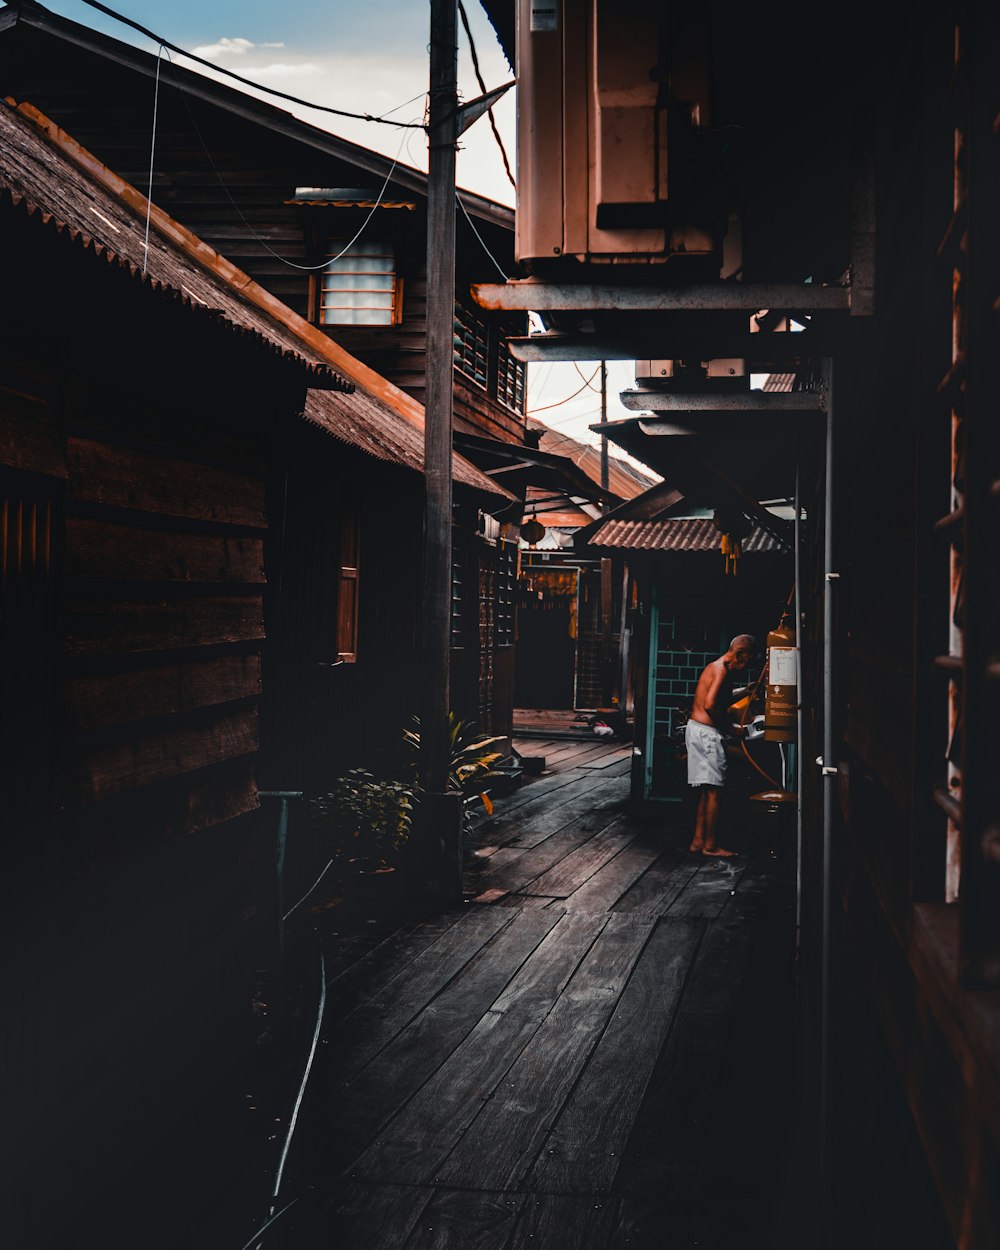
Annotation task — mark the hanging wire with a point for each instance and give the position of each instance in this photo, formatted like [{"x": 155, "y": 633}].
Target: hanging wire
[
  {"x": 595, "y": 389},
  {"x": 500, "y": 268},
  {"x": 263, "y": 242},
  {"x": 267, "y": 1223},
  {"x": 322, "y": 108},
  {"x": 482, "y": 87},
  {"x": 152, "y": 152},
  {"x": 559, "y": 403}
]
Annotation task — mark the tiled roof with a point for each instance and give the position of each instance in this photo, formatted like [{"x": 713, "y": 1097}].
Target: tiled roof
[
  {"x": 674, "y": 534},
  {"x": 624, "y": 479}
]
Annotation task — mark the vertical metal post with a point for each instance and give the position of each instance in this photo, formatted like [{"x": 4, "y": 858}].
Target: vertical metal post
[
  {"x": 442, "y": 136},
  {"x": 829, "y": 794},
  {"x": 279, "y": 860},
  {"x": 800, "y": 744},
  {"x": 604, "y": 434}
]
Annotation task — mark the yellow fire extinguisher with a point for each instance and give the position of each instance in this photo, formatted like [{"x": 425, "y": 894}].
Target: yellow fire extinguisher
[{"x": 781, "y": 699}]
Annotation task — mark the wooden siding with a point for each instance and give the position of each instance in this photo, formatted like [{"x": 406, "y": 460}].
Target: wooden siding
[{"x": 229, "y": 179}]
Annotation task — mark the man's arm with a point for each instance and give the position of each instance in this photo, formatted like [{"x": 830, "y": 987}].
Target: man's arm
[{"x": 717, "y": 699}]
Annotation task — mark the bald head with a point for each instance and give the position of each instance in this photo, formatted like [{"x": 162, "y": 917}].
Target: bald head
[{"x": 744, "y": 642}]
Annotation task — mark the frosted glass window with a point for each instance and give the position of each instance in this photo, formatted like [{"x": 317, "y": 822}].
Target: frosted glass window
[{"x": 359, "y": 288}]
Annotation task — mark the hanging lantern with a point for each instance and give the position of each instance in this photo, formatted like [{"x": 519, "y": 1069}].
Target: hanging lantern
[{"x": 532, "y": 531}]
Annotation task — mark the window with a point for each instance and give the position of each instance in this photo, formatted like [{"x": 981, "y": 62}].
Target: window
[
  {"x": 347, "y": 592},
  {"x": 510, "y": 379},
  {"x": 360, "y": 287},
  {"x": 472, "y": 346}
]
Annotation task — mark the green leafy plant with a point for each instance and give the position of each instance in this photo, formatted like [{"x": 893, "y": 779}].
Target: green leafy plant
[
  {"x": 368, "y": 818},
  {"x": 471, "y": 757}
]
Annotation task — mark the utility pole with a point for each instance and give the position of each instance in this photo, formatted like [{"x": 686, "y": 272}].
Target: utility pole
[{"x": 441, "y": 811}]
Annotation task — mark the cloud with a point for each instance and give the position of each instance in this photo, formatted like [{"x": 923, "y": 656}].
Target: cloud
[{"x": 230, "y": 47}]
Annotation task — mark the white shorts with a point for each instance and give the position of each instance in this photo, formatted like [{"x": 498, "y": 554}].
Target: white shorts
[{"x": 706, "y": 754}]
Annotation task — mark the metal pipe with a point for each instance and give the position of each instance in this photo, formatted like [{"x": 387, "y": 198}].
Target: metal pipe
[
  {"x": 829, "y": 783},
  {"x": 800, "y": 753},
  {"x": 279, "y": 858}
]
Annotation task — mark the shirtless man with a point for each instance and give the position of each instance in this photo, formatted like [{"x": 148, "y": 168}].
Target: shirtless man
[{"x": 705, "y": 735}]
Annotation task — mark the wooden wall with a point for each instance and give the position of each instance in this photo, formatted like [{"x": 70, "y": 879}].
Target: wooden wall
[
  {"x": 228, "y": 179},
  {"x": 134, "y": 454}
]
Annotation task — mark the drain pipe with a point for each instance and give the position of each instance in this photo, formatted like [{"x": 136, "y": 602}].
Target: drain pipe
[
  {"x": 829, "y": 794},
  {"x": 799, "y": 753}
]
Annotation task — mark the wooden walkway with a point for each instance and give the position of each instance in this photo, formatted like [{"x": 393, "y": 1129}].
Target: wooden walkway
[{"x": 590, "y": 1054}]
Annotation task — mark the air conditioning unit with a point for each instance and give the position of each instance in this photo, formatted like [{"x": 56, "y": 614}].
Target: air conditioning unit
[{"x": 594, "y": 78}]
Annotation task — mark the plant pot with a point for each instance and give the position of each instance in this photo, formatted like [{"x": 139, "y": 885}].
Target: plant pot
[{"x": 376, "y": 892}]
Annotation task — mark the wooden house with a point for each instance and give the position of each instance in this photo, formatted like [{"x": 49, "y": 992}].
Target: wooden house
[
  {"x": 281, "y": 198},
  {"x": 209, "y": 548},
  {"x": 856, "y": 150}
]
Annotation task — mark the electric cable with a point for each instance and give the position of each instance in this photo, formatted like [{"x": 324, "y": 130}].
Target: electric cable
[
  {"x": 267, "y": 1223},
  {"x": 500, "y": 268},
  {"x": 482, "y": 87},
  {"x": 580, "y": 372},
  {"x": 309, "y": 891},
  {"x": 302, "y": 1087},
  {"x": 263, "y": 242},
  {"x": 322, "y": 108},
  {"x": 152, "y": 151},
  {"x": 546, "y": 407}
]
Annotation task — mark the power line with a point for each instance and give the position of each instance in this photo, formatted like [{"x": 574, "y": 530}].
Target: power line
[
  {"x": 322, "y": 108},
  {"x": 500, "y": 268},
  {"x": 482, "y": 88},
  {"x": 559, "y": 403}
]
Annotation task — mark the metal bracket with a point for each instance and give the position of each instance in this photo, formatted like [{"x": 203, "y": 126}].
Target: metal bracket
[
  {"x": 826, "y": 770},
  {"x": 833, "y": 577}
]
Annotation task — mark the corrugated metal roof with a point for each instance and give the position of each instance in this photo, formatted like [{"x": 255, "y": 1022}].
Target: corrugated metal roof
[
  {"x": 674, "y": 534},
  {"x": 37, "y": 176},
  {"x": 45, "y": 171},
  {"x": 624, "y": 479}
]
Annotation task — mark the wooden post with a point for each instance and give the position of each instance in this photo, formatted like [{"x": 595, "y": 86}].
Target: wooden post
[
  {"x": 442, "y": 136},
  {"x": 604, "y": 432}
]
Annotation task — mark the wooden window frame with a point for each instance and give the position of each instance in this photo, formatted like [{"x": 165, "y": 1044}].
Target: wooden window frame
[{"x": 349, "y": 583}]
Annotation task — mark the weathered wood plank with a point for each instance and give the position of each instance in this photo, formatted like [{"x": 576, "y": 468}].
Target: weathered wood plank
[
  {"x": 501, "y": 1144},
  {"x": 360, "y": 1105},
  {"x": 535, "y": 862},
  {"x": 656, "y": 889},
  {"x": 710, "y": 889},
  {"x": 30, "y": 438},
  {"x": 118, "y": 698},
  {"x": 124, "y": 478},
  {"x": 616, "y": 877},
  {"x": 591, "y": 806},
  {"x": 580, "y": 865},
  {"x": 456, "y": 1219},
  {"x": 569, "y": 1223},
  {"x": 646, "y": 1222},
  {"x": 108, "y": 770},
  {"x": 370, "y": 1217},
  {"x": 584, "y": 1149},
  {"x": 528, "y": 798},
  {"x": 100, "y": 549},
  {"x": 369, "y": 1028},
  {"x": 418, "y": 1140},
  {"x": 682, "y": 1120},
  {"x": 101, "y": 626}
]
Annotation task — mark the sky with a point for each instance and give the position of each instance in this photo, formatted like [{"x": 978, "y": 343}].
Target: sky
[{"x": 368, "y": 57}]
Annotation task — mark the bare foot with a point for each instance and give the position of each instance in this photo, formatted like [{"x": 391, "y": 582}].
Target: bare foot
[
  {"x": 718, "y": 852},
  {"x": 696, "y": 847}
]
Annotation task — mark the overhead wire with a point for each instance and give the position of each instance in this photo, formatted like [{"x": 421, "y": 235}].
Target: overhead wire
[
  {"x": 500, "y": 268},
  {"x": 482, "y": 87},
  {"x": 559, "y": 403},
  {"x": 284, "y": 95},
  {"x": 257, "y": 238}
]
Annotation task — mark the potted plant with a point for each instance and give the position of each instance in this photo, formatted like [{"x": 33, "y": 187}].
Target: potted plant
[
  {"x": 471, "y": 758},
  {"x": 367, "y": 819}
]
